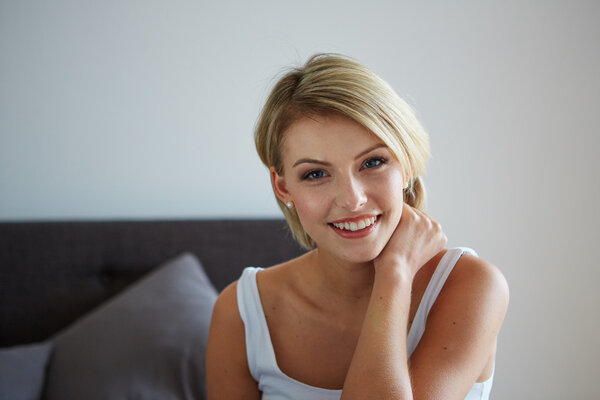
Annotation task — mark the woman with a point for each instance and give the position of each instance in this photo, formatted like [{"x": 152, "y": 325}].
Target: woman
[{"x": 377, "y": 308}]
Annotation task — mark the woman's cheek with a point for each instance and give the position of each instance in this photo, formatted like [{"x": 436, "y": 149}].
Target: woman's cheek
[
  {"x": 312, "y": 208},
  {"x": 391, "y": 188}
]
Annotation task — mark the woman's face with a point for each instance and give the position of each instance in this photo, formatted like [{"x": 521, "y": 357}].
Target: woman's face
[{"x": 345, "y": 184}]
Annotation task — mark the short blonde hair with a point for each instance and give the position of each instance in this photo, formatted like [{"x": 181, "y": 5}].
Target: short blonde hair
[{"x": 332, "y": 83}]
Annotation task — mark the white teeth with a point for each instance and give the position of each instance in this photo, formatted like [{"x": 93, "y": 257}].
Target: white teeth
[{"x": 353, "y": 226}]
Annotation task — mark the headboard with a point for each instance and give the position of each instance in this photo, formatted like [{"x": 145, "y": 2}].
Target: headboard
[{"x": 53, "y": 272}]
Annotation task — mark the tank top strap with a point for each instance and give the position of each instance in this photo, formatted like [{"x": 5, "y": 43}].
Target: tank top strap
[
  {"x": 255, "y": 324},
  {"x": 436, "y": 283}
]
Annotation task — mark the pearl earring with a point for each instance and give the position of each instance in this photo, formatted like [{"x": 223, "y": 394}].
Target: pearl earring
[{"x": 289, "y": 205}]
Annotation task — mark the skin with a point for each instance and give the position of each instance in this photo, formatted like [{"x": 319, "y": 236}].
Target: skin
[{"x": 339, "y": 315}]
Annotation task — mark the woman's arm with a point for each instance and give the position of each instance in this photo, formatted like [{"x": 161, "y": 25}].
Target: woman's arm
[
  {"x": 461, "y": 329},
  {"x": 461, "y": 333},
  {"x": 379, "y": 368},
  {"x": 227, "y": 373}
]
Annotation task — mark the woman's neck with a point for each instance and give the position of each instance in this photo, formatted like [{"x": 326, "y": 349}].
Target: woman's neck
[{"x": 350, "y": 282}]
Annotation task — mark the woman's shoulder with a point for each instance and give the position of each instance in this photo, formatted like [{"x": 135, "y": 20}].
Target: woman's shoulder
[
  {"x": 226, "y": 361},
  {"x": 282, "y": 277},
  {"x": 480, "y": 280},
  {"x": 225, "y": 308},
  {"x": 473, "y": 269},
  {"x": 269, "y": 281}
]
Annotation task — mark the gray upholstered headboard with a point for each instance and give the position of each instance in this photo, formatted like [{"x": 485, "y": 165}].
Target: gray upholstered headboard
[{"x": 53, "y": 272}]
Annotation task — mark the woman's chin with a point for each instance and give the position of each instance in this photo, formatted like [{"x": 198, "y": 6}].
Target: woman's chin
[
  {"x": 353, "y": 253},
  {"x": 361, "y": 257}
]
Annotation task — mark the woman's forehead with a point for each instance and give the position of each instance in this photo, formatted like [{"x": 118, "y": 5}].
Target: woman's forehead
[{"x": 323, "y": 134}]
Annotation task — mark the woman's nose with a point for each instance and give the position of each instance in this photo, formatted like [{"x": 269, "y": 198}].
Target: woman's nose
[{"x": 351, "y": 194}]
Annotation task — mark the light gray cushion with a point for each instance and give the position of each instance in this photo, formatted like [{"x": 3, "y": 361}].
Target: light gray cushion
[
  {"x": 147, "y": 343},
  {"x": 22, "y": 371}
]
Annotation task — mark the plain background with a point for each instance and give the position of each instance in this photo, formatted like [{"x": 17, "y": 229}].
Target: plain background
[{"x": 145, "y": 110}]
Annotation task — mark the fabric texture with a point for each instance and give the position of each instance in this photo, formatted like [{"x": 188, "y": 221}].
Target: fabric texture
[
  {"x": 149, "y": 342},
  {"x": 275, "y": 385},
  {"x": 22, "y": 371}
]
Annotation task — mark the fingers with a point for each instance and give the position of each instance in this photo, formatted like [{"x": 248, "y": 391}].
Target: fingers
[
  {"x": 422, "y": 215},
  {"x": 434, "y": 230},
  {"x": 416, "y": 239}
]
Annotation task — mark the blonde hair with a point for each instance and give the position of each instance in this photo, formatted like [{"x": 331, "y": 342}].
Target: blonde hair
[{"x": 332, "y": 83}]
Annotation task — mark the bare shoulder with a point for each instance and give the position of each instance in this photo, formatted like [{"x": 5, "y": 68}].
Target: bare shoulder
[
  {"x": 227, "y": 372},
  {"x": 227, "y": 298},
  {"x": 277, "y": 281},
  {"x": 476, "y": 291},
  {"x": 226, "y": 312},
  {"x": 479, "y": 277}
]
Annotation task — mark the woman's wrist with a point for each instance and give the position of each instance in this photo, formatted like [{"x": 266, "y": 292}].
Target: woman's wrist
[
  {"x": 396, "y": 277},
  {"x": 397, "y": 270}
]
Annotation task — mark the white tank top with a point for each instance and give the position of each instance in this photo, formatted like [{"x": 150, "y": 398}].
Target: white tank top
[{"x": 275, "y": 385}]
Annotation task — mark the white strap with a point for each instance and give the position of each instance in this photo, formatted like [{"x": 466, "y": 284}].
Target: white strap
[
  {"x": 436, "y": 283},
  {"x": 251, "y": 312}
]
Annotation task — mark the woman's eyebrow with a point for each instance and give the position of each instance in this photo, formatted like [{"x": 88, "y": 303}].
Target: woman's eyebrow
[
  {"x": 310, "y": 161},
  {"x": 370, "y": 149},
  {"x": 325, "y": 163}
]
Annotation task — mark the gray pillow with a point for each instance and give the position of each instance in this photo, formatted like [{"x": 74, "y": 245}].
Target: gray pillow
[
  {"x": 147, "y": 343},
  {"x": 22, "y": 370}
]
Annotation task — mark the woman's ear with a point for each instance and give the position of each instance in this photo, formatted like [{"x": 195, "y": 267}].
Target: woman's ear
[{"x": 279, "y": 188}]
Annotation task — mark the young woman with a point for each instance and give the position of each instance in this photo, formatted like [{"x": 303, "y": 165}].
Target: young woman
[{"x": 377, "y": 308}]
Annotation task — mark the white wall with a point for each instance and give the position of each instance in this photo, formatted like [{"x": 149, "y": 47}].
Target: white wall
[{"x": 145, "y": 109}]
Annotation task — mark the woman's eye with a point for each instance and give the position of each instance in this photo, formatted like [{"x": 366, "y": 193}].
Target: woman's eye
[
  {"x": 314, "y": 174},
  {"x": 373, "y": 162}
]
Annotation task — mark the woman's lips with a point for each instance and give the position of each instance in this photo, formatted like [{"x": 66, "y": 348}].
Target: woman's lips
[
  {"x": 355, "y": 224},
  {"x": 354, "y": 228}
]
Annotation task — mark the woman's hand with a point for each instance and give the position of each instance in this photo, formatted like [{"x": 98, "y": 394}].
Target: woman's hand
[{"x": 415, "y": 241}]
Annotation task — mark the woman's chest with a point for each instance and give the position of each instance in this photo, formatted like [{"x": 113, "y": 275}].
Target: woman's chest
[
  {"x": 316, "y": 348},
  {"x": 311, "y": 350},
  {"x": 314, "y": 343}
]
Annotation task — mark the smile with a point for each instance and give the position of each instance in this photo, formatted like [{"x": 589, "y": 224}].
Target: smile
[{"x": 355, "y": 225}]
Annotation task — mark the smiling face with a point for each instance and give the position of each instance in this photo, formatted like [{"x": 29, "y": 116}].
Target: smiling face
[{"x": 345, "y": 184}]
